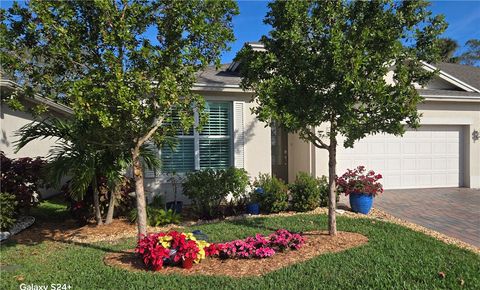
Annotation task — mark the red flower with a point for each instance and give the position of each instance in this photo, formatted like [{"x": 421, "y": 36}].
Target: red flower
[{"x": 357, "y": 181}]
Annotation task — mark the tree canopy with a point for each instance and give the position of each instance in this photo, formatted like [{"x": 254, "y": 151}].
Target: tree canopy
[
  {"x": 471, "y": 54},
  {"x": 122, "y": 65},
  {"x": 349, "y": 64}
]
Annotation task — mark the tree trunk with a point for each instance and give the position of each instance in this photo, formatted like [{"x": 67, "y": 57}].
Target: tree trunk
[
  {"x": 332, "y": 196},
  {"x": 140, "y": 193},
  {"x": 96, "y": 202},
  {"x": 111, "y": 208}
]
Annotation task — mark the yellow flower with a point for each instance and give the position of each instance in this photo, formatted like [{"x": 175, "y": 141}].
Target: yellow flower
[
  {"x": 190, "y": 236},
  {"x": 165, "y": 241},
  {"x": 200, "y": 255}
]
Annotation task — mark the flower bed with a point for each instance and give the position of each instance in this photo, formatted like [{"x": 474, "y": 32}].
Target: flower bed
[{"x": 174, "y": 247}]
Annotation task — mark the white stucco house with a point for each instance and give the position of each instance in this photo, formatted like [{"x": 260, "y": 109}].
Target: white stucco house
[{"x": 443, "y": 152}]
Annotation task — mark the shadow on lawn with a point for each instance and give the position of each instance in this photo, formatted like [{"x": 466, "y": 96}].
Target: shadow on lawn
[{"x": 54, "y": 223}]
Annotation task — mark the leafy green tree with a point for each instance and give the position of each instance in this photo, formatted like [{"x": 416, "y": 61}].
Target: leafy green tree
[
  {"x": 472, "y": 54},
  {"x": 324, "y": 70},
  {"x": 121, "y": 64},
  {"x": 448, "y": 47}
]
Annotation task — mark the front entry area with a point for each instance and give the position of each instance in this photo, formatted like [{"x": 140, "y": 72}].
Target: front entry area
[
  {"x": 429, "y": 157},
  {"x": 279, "y": 139}
]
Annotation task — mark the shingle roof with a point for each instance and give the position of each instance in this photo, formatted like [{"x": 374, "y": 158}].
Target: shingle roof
[
  {"x": 451, "y": 93},
  {"x": 466, "y": 73},
  {"x": 222, "y": 76}
]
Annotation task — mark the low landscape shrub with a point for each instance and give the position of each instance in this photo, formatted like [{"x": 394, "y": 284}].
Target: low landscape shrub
[
  {"x": 8, "y": 204},
  {"x": 156, "y": 213},
  {"x": 258, "y": 246},
  {"x": 157, "y": 216},
  {"x": 271, "y": 192},
  {"x": 22, "y": 177},
  {"x": 82, "y": 208},
  {"x": 208, "y": 190},
  {"x": 308, "y": 192},
  {"x": 172, "y": 248}
]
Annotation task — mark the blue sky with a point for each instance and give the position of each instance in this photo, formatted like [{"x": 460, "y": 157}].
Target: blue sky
[{"x": 463, "y": 18}]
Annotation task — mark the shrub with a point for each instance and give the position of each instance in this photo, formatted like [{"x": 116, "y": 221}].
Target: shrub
[
  {"x": 82, "y": 209},
  {"x": 359, "y": 180},
  {"x": 208, "y": 189},
  {"x": 156, "y": 213},
  {"x": 22, "y": 177},
  {"x": 271, "y": 192},
  {"x": 324, "y": 190},
  {"x": 157, "y": 216},
  {"x": 306, "y": 192},
  {"x": 8, "y": 204}
]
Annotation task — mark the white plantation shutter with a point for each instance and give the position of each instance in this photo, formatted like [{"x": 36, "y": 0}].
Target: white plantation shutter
[
  {"x": 179, "y": 158},
  {"x": 149, "y": 173},
  {"x": 215, "y": 137},
  {"x": 238, "y": 134}
]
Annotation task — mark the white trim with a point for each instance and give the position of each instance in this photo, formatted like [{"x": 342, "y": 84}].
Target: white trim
[
  {"x": 451, "y": 98},
  {"x": 451, "y": 79},
  {"x": 257, "y": 46},
  {"x": 215, "y": 85},
  {"x": 233, "y": 66},
  {"x": 448, "y": 121},
  {"x": 196, "y": 141},
  {"x": 238, "y": 134}
]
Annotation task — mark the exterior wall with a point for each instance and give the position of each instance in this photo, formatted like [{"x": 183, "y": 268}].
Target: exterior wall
[
  {"x": 300, "y": 157},
  {"x": 11, "y": 121},
  {"x": 258, "y": 157},
  {"x": 257, "y": 148},
  {"x": 466, "y": 114}
]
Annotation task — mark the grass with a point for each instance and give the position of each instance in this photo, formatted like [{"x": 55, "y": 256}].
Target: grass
[
  {"x": 394, "y": 258},
  {"x": 51, "y": 210}
]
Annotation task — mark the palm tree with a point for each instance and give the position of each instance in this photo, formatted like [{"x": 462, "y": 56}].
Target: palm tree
[{"x": 78, "y": 155}]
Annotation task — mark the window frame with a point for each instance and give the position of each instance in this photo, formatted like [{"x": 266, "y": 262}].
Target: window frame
[{"x": 197, "y": 137}]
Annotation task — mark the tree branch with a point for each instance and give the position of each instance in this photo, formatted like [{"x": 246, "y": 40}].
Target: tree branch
[
  {"x": 310, "y": 135},
  {"x": 156, "y": 124}
]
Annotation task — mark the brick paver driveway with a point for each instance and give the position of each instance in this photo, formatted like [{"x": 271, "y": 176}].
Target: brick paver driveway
[{"x": 454, "y": 212}]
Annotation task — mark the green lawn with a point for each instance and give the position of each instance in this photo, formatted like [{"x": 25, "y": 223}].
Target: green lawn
[
  {"x": 395, "y": 257},
  {"x": 52, "y": 210}
]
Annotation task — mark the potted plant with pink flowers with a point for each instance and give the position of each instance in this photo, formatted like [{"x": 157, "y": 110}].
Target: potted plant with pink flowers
[{"x": 361, "y": 185}]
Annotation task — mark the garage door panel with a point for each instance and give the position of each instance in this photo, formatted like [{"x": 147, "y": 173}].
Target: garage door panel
[
  {"x": 393, "y": 148},
  {"x": 376, "y": 148},
  {"x": 429, "y": 157}
]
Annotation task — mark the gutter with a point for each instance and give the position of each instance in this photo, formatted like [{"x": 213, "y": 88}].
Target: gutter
[
  {"x": 38, "y": 99},
  {"x": 439, "y": 98},
  {"x": 219, "y": 88}
]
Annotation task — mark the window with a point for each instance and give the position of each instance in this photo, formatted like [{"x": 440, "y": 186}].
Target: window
[{"x": 213, "y": 144}]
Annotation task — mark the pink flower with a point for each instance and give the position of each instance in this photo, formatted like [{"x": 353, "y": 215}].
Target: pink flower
[{"x": 356, "y": 181}]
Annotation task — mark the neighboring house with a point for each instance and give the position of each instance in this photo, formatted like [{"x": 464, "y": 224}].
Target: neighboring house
[
  {"x": 11, "y": 121},
  {"x": 443, "y": 152}
]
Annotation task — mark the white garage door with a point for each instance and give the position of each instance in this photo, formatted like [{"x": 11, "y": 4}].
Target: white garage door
[{"x": 428, "y": 157}]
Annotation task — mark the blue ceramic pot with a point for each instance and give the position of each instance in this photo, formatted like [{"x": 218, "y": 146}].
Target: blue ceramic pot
[
  {"x": 175, "y": 207},
  {"x": 361, "y": 202},
  {"x": 253, "y": 208}
]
